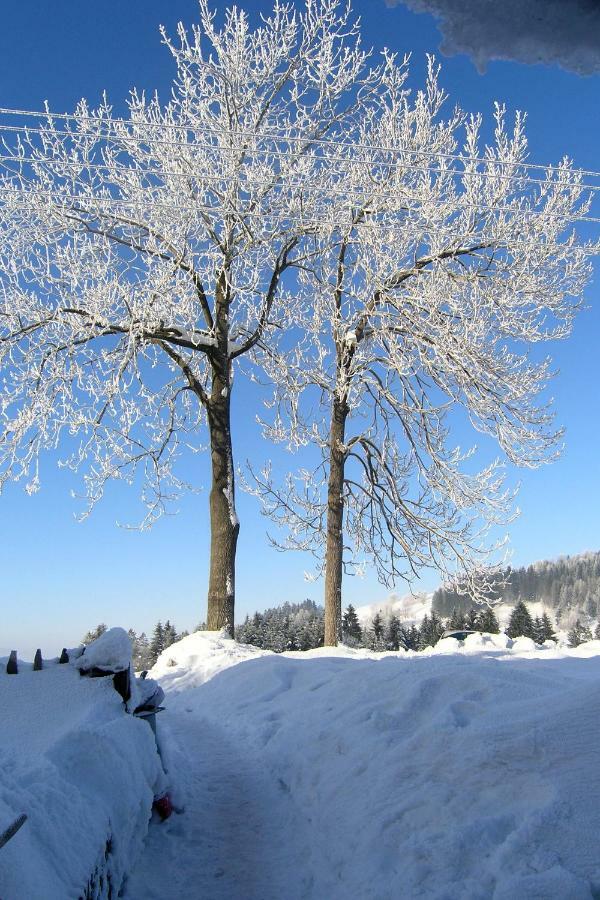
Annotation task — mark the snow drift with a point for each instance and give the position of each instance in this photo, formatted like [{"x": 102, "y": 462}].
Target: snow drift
[
  {"x": 463, "y": 772},
  {"x": 83, "y": 772}
]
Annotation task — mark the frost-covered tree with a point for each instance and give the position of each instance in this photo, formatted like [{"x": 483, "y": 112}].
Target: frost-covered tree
[
  {"x": 488, "y": 621},
  {"x": 157, "y": 644},
  {"x": 579, "y": 634},
  {"x": 457, "y": 620},
  {"x": 351, "y": 630},
  {"x": 376, "y": 633},
  {"x": 93, "y": 634},
  {"x": 394, "y": 635},
  {"x": 142, "y": 258},
  {"x": 520, "y": 623},
  {"x": 449, "y": 266}
]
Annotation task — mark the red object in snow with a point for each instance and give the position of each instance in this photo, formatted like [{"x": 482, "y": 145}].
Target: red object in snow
[{"x": 163, "y": 806}]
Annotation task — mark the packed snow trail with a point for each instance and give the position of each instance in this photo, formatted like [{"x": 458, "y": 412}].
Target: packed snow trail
[
  {"x": 453, "y": 774},
  {"x": 234, "y": 840}
]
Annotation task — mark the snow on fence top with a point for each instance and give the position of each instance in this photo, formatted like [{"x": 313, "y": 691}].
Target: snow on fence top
[{"x": 83, "y": 772}]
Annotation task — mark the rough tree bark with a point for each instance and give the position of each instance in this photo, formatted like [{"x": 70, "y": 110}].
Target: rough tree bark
[
  {"x": 224, "y": 524},
  {"x": 335, "y": 519}
]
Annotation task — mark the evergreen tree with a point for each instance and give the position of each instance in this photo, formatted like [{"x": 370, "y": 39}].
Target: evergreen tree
[
  {"x": 157, "y": 644},
  {"x": 520, "y": 623},
  {"x": 394, "y": 637},
  {"x": 436, "y": 628},
  {"x": 424, "y": 633},
  {"x": 472, "y": 622},
  {"x": 538, "y": 630},
  {"x": 548, "y": 633},
  {"x": 488, "y": 621},
  {"x": 456, "y": 622},
  {"x": 142, "y": 657},
  {"x": 351, "y": 630},
  {"x": 94, "y": 634},
  {"x": 579, "y": 634},
  {"x": 169, "y": 634},
  {"x": 376, "y": 633},
  {"x": 413, "y": 637},
  {"x": 597, "y": 632}
]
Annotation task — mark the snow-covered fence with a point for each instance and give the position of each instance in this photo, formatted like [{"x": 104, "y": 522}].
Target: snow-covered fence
[
  {"x": 12, "y": 666},
  {"x": 81, "y": 769}
]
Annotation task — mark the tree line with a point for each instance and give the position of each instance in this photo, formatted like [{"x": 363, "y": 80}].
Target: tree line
[
  {"x": 301, "y": 626},
  {"x": 569, "y": 585}
]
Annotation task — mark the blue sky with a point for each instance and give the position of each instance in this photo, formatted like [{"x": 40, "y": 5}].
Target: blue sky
[{"x": 60, "y": 577}]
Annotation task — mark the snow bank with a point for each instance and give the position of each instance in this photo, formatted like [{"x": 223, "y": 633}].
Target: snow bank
[
  {"x": 199, "y": 657},
  {"x": 111, "y": 652},
  {"x": 465, "y": 772},
  {"x": 83, "y": 772}
]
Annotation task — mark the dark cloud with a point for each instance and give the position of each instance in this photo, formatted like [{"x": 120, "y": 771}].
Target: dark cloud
[{"x": 562, "y": 32}]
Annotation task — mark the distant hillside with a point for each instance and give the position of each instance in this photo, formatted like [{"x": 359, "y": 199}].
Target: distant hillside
[{"x": 569, "y": 586}]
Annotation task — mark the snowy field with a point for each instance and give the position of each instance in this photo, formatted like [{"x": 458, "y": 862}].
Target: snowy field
[{"x": 454, "y": 773}]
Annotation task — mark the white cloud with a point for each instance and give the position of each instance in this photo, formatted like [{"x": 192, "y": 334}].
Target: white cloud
[{"x": 563, "y": 32}]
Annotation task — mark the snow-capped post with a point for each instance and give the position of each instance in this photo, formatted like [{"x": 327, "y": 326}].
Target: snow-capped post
[
  {"x": 142, "y": 257},
  {"x": 446, "y": 263}
]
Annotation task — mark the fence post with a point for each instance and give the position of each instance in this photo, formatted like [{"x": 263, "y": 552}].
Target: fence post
[
  {"x": 64, "y": 656},
  {"x": 11, "y": 666},
  {"x": 37, "y": 661}
]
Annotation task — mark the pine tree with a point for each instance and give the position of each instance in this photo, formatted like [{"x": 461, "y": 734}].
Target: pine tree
[
  {"x": 456, "y": 622},
  {"x": 169, "y": 634},
  {"x": 548, "y": 633},
  {"x": 472, "y": 620},
  {"x": 94, "y": 634},
  {"x": 394, "y": 634},
  {"x": 538, "y": 630},
  {"x": 424, "y": 633},
  {"x": 157, "y": 644},
  {"x": 376, "y": 633},
  {"x": 579, "y": 634},
  {"x": 436, "y": 628},
  {"x": 351, "y": 630},
  {"x": 488, "y": 621},
  {"x": 520, "y": 623},
  {"x": 597, "y": 632}
]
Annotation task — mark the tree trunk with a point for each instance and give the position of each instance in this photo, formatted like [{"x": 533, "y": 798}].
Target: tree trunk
[
  {"x": 335, "y": 525},
  {"x": 224, "y": 525}
]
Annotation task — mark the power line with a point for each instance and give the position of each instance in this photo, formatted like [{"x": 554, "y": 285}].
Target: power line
[
  {"x": 241, "y": 215},
  {"x": 323, "y": 142},
  {"x": 279, "y": 154},
  {"x": 129, "y": 170}
]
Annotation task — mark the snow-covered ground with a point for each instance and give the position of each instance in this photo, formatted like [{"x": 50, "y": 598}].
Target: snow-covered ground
[
  {"x": 455, "y": 773},
  {"x": 83, "y": 772}
]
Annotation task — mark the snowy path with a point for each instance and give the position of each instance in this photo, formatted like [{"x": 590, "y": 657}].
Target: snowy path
[
  {"x": 236, "y": 838},
  {"x": 444, "y": 776}
]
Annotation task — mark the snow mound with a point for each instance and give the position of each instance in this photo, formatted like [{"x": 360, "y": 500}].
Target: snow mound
[
  {"x": 447, "y": 774},
  {"x": 83, "y": 771},
  {"x": 478, "y": 641},
  {"x": 111, "y": 652},
  {"x": 523, "y": 645},
  {"x": 198, "y": 657}
]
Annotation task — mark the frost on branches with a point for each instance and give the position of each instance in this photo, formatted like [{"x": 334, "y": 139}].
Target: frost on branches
[
  {"x": 291, "y": 194},
  {"x": 141, "y": 258},
  {"x": 429, "y": 291}
]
